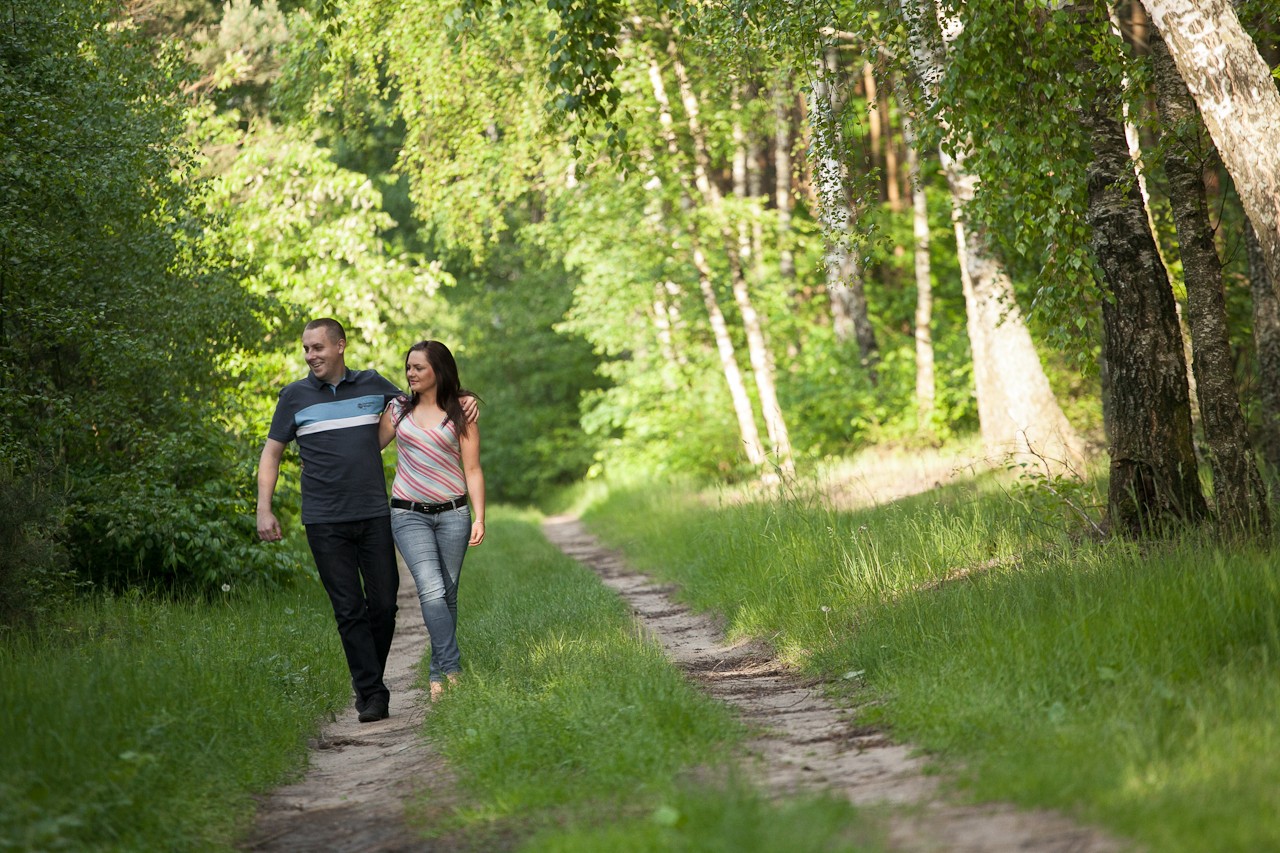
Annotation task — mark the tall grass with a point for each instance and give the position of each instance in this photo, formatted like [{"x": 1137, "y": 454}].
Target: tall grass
[
  {"x": 569, "y": 723},
  {"x": 141, "y": 725},
  {"x": 1135, "y": 686}
]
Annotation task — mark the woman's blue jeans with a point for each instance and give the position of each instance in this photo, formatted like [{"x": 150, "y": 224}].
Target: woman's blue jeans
[{"x": 434, "y": 546}]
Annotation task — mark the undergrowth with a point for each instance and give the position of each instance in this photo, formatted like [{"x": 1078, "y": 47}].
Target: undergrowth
[{"x": 133, "y": 724}]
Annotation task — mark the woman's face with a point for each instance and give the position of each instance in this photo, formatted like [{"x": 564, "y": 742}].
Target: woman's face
[{"x": 418, "y": 373}]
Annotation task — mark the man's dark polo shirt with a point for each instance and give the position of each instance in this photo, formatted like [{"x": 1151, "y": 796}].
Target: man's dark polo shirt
[{"x": 337, "y": 433}]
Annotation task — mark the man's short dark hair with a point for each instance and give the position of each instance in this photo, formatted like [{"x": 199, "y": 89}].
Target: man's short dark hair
[{"x": 331, "y": 327}]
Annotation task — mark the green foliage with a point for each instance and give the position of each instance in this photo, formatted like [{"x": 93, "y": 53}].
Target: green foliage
[
  {"x": 132, "y": 725},
  {"x": 117, "y": 312},
  {"x": 181, "y": 519},
  {"x": 34, "y": 576},
  {"x": 471, "y": 103},
  {"x": 501, "y": 325},
  {"x": 1032, "y": 196}
]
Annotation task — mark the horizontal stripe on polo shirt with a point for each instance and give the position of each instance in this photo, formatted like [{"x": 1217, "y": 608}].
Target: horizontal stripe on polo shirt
[{"x": 339, "y": 414}]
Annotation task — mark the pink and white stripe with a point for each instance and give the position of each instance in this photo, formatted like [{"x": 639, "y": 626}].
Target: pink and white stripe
[{"x": 429, "y": 469}]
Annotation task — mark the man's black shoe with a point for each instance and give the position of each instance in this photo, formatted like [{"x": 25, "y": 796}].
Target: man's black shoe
[{"x": 374, "y": 709}]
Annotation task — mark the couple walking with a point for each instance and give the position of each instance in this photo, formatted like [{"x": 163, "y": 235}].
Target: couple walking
[{"x": 342, "y": 419}]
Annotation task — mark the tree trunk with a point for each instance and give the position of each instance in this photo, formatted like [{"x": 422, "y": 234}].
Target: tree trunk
[
  {"x": 892, "y": 178},
  {"x": 783, "y": 197},
  {"x": 1133, "y": 136},
  {"x": 845, "y": 288},
  {"x": 1238, "y": 100},
  {"x": 742, "y": 408},
  {"x": 1017, "y": 410},
  {"x": 729, "y": 362},
  {"x": 1238, "y": 492},
  {"x": 1266, "y": 347},
  {"x": 1153, "y": 461},
  {"x": 666, "y": 320},
  {"x": 925, "y": 383},
  {"x": 755, "y": 192},
  {"x": 757, "y": 345},
  {"x": 875, "y": 125}
]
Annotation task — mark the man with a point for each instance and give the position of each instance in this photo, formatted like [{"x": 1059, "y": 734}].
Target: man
[{"x": 333, "y": 415}]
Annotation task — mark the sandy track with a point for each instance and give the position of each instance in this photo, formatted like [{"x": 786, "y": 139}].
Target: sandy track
[
  {"x": 351, "y": 799},
  {"x": 359, "y": 774}
]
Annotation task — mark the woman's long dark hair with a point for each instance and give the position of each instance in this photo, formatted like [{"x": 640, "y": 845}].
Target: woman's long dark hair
[{"x": 448, "y": 388}]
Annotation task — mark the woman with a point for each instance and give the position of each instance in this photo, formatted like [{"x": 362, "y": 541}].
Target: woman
[{"x": 437, "y": 473}]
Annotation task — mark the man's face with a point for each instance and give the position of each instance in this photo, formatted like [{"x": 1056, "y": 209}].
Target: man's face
[{"x": 324, "y": 356}]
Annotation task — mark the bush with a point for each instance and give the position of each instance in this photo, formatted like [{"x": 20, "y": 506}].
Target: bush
[{"x": 34, "y": 577}]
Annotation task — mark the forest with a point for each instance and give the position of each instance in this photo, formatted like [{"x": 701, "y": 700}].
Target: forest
[
  {"x": 706, "y": 265},
  {"x": 729, "y": 240}
]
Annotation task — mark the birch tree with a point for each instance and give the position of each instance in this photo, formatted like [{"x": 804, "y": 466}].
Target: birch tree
[
  {"x": 1016, "y": 407},
  {"x": 925, "y": 384},
  {"x": 742, "y": 407},
  {"x": 1238, "y": 100},
  {"x": 762, "y": 367},
  {"x": 845, "y": 274}
]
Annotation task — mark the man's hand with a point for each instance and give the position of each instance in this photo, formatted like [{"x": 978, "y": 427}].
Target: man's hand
[
  {"x": 268, "y": 527},
  {"x": 470, "y": 408}
]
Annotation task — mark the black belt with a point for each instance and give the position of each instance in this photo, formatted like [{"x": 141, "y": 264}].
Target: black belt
[{"x": 429, "y": 509}]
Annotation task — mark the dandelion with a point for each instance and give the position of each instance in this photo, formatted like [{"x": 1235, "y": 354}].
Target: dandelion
[{"x": 226, "y": 587}]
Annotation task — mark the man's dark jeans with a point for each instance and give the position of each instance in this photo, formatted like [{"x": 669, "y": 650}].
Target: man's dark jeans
[{"x": 347, "y": 553}]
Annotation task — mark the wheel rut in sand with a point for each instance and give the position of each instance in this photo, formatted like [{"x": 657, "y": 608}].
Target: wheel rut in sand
[{"x": 804, "y": 743}]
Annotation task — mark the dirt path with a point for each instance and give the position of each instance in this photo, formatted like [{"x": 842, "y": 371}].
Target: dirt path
[
  {"x": 806, "y": 743},
  {"x": 359, "y": 774}
]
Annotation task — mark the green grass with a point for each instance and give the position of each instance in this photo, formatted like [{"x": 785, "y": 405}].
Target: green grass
[
  {"x": 140, "y": 725},
  {"x": 724, "y": 818},
  {"x": 571, "y": 726},
  {"x": 1132, "y": 686}
]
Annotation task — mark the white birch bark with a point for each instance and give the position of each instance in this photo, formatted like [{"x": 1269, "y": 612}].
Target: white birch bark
[
  {"x": 850, "y": 314},
  {"x": 757, "y": 346},
  {"x": 1017, "y": 409},
  {"x": 926, "y": 388},
  {"x": 742, "y": 407},
  {"x": 783, "y": 198},
  {"x": 1238, "y": 100}
]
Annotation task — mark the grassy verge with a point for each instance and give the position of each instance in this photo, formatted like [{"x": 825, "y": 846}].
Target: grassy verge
[
  {"x": 141, "y": 725},
  {"x": 1132, "y": 686},
  {"x": 572, "y": 732}
]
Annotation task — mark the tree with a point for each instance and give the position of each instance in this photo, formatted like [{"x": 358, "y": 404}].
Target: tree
[
  {"x": 1266, "y": 345},
  {"x": 1238, "y": 492},
  {"x": 1016, "y": 406},
  {"x": 845, "y": 285},
  {"x": 926, "y": 388},
  {"x": 118, "y": 314},
  {"x": 762, "y": 367},
  {"x": 1238, "y": 100}
]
